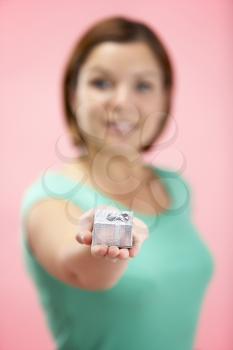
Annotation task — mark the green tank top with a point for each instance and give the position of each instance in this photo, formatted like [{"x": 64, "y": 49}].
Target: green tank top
[{"x": 156, "y": 304}]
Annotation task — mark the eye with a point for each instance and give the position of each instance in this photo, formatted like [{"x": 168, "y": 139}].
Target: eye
[
  {"x": 100, "y": 83},
  {"x": 143, "y": 86}
]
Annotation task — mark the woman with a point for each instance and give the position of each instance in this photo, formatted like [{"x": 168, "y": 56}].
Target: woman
[{"x": 117, "y": 91}]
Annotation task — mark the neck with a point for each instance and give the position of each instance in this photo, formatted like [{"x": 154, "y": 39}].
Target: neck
[{"x": 115, "y": 169}]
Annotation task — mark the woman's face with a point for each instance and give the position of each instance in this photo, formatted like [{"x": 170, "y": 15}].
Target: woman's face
[{"x": 119, "y": 96}]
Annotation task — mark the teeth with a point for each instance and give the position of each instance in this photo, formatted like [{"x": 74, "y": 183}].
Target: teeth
[{"x": 123, "y": 127}]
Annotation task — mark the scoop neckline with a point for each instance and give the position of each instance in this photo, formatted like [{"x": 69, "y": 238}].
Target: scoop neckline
[{"x": 156, "y": 170}]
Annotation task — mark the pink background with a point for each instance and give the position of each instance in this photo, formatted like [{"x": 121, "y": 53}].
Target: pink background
[{"x": 34, "y": 42}]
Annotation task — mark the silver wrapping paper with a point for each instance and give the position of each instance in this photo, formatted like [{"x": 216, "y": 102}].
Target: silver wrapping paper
[{"x": 113, "y": 228}]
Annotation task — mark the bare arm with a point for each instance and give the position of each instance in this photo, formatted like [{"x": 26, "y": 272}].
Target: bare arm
[{"x": 53, "y": 239}]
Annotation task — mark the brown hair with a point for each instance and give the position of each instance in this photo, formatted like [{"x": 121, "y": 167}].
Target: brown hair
[{"x": 116, "y": 29}]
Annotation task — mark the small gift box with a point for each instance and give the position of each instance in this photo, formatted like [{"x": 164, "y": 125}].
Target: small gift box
[{"x": 113, "y": 228}]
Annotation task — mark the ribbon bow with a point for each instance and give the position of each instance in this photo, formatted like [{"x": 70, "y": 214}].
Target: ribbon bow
[{"x": 122, "y": 217}]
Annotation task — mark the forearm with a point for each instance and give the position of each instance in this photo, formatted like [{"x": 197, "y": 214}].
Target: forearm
[{"x": 92, "y": 273}]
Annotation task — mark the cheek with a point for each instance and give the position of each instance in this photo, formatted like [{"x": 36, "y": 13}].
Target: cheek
[
  {"x": 91, "y": 103},
  {"x": 90, "y": 117},
  {"x": 88, "y": 94},
  {"x": 150, "y": 122}
]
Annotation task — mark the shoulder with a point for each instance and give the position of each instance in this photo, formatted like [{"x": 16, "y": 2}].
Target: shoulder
[
  {"x": 55, "y": 183},
  {"x": 34, "y": 190},
  {"x": 46, "y": 185},
  {"x": 61, "y": 183}
]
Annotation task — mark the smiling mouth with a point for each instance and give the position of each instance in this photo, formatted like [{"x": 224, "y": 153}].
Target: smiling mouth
[{"x": 122, "y": 128}]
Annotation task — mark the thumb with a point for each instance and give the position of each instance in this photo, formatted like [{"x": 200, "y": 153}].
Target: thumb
[{"x": 85, "y": 227}]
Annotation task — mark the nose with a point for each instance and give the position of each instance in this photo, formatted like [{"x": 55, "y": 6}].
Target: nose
[
  {"x": 120, "y": 100},
  {"x": 122, "y": 104}
]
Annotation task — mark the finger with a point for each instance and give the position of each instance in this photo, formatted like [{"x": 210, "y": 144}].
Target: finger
[
  {"x": 86, "y": 220},
  {"x": 114, "y": 260},
  {"x": 139, "y": 223},
  {"x": 140, "y": 229},
  {"x": 84, "y": 237},
  {"x": 123, "y": 254},
  {"x": 99, "y": 250},
  {"x": 134, "y": 250},
  {"x": 85, "y": 227},
  {"x": 113, "y": 252}
]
